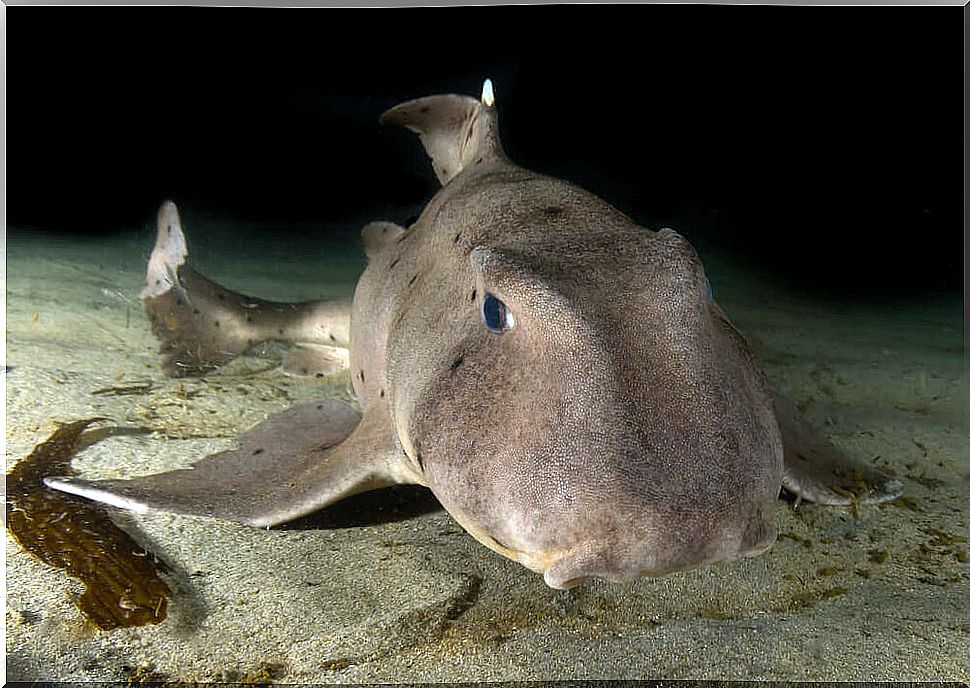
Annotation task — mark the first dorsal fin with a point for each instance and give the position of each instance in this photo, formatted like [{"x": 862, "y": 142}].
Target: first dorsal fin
[{"x": 456, "y": 131}]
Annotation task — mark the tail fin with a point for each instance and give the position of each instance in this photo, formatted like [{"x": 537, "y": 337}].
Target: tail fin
[{"x": 170, "y": 252}]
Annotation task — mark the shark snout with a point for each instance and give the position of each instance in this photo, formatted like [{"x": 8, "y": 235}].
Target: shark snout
[
  {"x": 636, "y": 479},
  {"x": 639, "y": 494},
  {"x": 631, "y": 554}
]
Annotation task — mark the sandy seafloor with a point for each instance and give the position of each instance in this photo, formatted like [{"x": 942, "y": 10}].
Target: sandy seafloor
[{"x": 386, "y": 587}]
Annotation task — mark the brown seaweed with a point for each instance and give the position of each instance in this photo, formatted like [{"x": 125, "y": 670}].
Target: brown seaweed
[{"x": 121, "y": 577}]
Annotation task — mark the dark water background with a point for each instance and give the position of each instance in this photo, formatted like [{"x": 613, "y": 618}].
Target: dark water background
[{"x": 821, "y": 145}]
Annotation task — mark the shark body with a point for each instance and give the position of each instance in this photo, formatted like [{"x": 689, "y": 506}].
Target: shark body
[{"x": 559, "y": 377}]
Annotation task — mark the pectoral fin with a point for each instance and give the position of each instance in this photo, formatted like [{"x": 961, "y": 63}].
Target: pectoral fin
[
  {"x": 286, "y": 467},
  {"x": 819, "y": 471}
]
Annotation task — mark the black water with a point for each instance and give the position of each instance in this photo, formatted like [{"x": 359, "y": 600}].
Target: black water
[{"x": 820, "y": 144}]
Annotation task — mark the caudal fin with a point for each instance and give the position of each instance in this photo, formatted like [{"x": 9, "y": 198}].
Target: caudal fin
[
  {"x": 191, "y": 316},
  {"x": 202, "y": 325},
  {"x": 169, "y": 253}
]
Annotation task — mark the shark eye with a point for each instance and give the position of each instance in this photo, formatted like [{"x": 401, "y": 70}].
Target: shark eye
[{"x": 498, "y": 318}]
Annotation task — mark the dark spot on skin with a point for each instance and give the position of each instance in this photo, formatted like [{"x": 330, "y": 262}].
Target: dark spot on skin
[
  {"x": 257, "y": 452},
  {"x": 221, "y": 296},
  {"x": 217, "y": 323},
  {"x": 249, "y": 318},
  {"x": 444, "y": 171},
  {"x": 319, "y": 407},
  {"x": 382, "y": 394},
  {"x": 157, "y": 282},
  {"x": 411, "y": 281},
  {"x": 553, "y": 211},
  {"x": 425, "y": 110},
  {"x": 280, "y": 330},
  {"x": 394, "y": 262},
  {"x": 474, "y": 294},
  {"x": 332, "y": 338},
  {"x": 178, "y": 302},
  {"x": 479, "y": 161},
  {"x": 318, "y": 375},
  {"x": 361, "y": 375},
  {"x": 304, "y": 371},
  {"x": 384, "y": 230},
  {"x": 170, "y": 229},
  {"x": 195, "y": 311},
  {"x": 420, "y": 461},
  {"x": 457, "y": 363},
  {"x": 457, "y": 237}
]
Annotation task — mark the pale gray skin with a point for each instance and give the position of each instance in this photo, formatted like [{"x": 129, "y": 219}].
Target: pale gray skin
[{"x": 620, "y": 427}]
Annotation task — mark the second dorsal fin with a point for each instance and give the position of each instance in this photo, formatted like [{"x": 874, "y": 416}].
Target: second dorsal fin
[{"x": 456, "y": 131}]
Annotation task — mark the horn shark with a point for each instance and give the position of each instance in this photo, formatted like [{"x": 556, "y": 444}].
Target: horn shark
[{"x": 559, "y": 377}]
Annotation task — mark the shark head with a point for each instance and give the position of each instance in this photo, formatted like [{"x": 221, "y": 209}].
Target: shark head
[{"x": 563, "y": 379}]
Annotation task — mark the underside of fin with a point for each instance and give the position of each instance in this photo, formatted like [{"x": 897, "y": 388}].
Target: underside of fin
[
  {"x": 819, "y": 471},
  {"x": 315, "y": 360},
  {"x": 286, "y": 467}
]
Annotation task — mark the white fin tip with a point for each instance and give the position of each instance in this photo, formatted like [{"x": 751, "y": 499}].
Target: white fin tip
[
  {"x": 93, "y": 493},
  {"x": 488, "y": 95}
]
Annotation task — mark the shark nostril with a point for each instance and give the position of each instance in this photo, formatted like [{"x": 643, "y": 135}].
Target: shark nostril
[{"x": 573, "y": 567}]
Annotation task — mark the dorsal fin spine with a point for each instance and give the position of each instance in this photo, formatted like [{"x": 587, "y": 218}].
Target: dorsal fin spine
[{"x": 456, "y": 131}]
